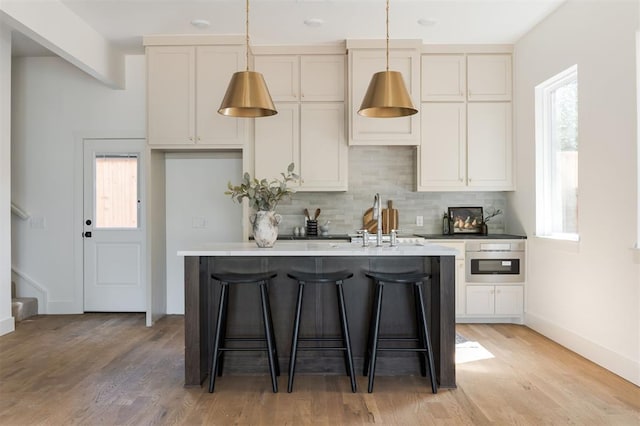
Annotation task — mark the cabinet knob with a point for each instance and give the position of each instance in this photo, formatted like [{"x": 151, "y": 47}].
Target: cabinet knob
[{"x": 191, "y": 138}]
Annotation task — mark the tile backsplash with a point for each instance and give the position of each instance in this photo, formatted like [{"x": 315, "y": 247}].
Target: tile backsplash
[{"x": 391, "y": 171}]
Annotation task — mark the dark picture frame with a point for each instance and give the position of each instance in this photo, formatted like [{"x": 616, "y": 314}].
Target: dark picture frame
[{"x": 466, "y": 220}]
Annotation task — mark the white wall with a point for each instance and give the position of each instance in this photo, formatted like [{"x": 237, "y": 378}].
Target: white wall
[
  {"x": 6, "y": 320},
  {"x": 198, "y": 181},
  {"x": 54, "y": 105},
  {"x": 585, "y": 295}
]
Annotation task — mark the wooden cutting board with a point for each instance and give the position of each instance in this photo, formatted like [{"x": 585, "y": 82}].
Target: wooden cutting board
[
  {"x": 368, "y": 222},
  {"x": 389, "y": 218}
]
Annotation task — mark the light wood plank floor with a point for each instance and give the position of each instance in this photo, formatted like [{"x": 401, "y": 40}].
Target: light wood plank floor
[{"x": 104, "y": 369}]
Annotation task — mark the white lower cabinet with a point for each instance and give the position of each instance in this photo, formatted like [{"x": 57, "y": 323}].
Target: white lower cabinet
[
  {"x": 478, "y": 303},
  {"x": 494, "y": 300}
]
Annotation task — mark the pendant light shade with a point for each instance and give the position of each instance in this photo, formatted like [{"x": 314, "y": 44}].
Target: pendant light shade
[
  {"x": 247, "y": 94},
  {"x": 387, "y": 95}
]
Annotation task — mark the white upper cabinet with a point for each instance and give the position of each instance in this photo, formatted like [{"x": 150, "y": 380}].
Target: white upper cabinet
[
  {"x": 282, "y": 75},
  {"x": 322, "y": 78},
  {"x": 185, "y": 86},
  {"x": 277, "y": 142},
  {"x": 489, "y": 145},
  {"x": 293, "y": 78},
  {"x": 442, "y": 156},
  {"x": 171, "y": 95},
  {"x": 309, "y": 127},
  {"x": 323, "y": 147},
  {"x": 363, "y": 63},
  {"x": 443, "y": 78},
  {"x": 466, "y": 142},
  {"x": 489, "y": 77}
]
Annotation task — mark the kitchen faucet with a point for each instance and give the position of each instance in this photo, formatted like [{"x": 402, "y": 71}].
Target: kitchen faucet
[{"x": 377, "y": 215}]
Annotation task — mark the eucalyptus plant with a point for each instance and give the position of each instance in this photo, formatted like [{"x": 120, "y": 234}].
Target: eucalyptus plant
[{"x": 263, "y": 195}]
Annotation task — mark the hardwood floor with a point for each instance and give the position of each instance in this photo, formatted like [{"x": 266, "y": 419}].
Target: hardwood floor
[{"x": 103, "y": 369}]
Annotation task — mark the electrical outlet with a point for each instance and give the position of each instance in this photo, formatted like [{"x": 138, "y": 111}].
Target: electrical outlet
[
  {"x": 419, "y": 221},
  {"x": 198, "y": 222}
]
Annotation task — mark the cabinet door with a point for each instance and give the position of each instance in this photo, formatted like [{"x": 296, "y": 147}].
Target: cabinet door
[
  {"x": 323, "y": 147},
  {"x": 509, "y": 300},
  {"x": 443, "y": 78},
  {"x": 322, "y": 77},
  {"x": 489, "y": 77},
  {"x": 388, "y": 131},
  {"x": 489, "y": 146},
  {"x": 171, "y": 95},
  {"x": 215, "y": 66},
  {"x": 282, "y": 74},
  {"x": 480, "y": 299},
  {"x": 277, "y": 142},
  {"x": 442, "y": 155}
]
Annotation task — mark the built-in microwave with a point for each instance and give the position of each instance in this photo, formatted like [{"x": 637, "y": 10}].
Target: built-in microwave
[{"x": 494, "y": 262}]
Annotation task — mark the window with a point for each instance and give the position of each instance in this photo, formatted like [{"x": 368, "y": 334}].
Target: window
[
  {"x": 557, "y": 156},
  {"x": 116, "y": 191}
]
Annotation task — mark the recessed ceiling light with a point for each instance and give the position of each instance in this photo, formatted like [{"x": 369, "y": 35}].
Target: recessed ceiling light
[
  {"x": 314, "y": 22},
  {"x": 201, "y": 23},
  {"x": 427, "y": 22}
]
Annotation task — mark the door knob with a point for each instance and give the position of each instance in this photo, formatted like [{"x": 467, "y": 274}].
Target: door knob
[{"x": 87, "y": 234}]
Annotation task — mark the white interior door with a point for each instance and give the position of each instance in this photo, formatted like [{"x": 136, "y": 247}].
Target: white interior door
[{"x": 114, "y": 232}]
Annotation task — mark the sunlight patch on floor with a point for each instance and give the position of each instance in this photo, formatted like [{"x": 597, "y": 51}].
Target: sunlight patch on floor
[{"x": 471, "y": 351}]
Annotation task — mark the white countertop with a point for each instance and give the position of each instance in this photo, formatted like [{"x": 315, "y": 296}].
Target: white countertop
[{"x": 315, "y": 248}]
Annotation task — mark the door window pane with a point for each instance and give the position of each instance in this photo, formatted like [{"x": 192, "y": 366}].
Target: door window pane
[{"x": 116, "y": 189}]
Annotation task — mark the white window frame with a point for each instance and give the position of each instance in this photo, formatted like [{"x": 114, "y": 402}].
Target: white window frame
[{"x": 543, "y": 135}]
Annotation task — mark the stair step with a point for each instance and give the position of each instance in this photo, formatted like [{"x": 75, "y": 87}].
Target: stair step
[{"x": 24, "y": 307}]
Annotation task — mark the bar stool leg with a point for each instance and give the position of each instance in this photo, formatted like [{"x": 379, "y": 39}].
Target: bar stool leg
[
  {"x": 223, "y": 331},
  {"x": 367, "y": 353},
  {"x": 422, "y": 356},
  {"x": 275, "y": 349},
  {"x": 269, "y": 336},
  {"x": 432, "y": 369},
  {"x": 294, "y": 338},
  {"x": 376, "y": 330},
  {"x": 216, "y": 342},
  {"x": 346, "y": 338}
]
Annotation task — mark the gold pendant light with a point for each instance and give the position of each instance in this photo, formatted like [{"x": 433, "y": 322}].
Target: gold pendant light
[
  {"x": 247, "y": 94},
  {"x": 387, "y": 95}
]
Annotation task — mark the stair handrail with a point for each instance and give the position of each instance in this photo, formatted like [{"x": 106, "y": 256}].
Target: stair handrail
[{"x": 21, "y": 213}]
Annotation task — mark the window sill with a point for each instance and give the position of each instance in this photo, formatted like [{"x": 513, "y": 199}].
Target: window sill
[{"x": 561, "y": 244}]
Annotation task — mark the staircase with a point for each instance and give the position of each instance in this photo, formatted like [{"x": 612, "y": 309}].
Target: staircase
[{"x": 22, "y": 307}]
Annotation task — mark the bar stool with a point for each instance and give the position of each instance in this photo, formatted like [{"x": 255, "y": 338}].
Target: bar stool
[
  {"x": 423, "y": 348},
  {"x": 329, "y": 277},
  {"x": 220, "y": 339}
]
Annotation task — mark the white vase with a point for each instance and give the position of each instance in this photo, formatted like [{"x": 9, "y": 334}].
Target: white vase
[{"x": 265, "y": 227}]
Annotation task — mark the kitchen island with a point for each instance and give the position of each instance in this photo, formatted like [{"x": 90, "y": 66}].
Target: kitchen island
[{"x": 320, "y": 311}]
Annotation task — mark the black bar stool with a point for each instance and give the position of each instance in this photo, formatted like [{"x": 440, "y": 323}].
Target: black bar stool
[
  {"x": 329, "y": 277},
  {"x": 220, "y": 338},
  {"x": 423, "y": 348}
]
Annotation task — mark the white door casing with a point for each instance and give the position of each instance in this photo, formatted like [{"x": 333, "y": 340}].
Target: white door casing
[{"x": 114, "y": 229}]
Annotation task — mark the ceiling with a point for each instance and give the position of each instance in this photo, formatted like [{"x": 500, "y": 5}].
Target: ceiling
[{"x": 282, "y": 22}]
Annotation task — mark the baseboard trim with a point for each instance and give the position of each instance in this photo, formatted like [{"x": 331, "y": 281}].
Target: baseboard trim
[
  {"x": 7, "y": 325},
  {"x": 618, "y": 364}
]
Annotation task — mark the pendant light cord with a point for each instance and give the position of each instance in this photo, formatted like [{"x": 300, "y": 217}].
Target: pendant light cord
[
  {"x": 247, "y": 36},
  {"x": 387, "y": 35}
]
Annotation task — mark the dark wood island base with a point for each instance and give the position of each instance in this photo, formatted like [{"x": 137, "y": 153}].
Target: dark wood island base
[{"x": 320, "y": 315}]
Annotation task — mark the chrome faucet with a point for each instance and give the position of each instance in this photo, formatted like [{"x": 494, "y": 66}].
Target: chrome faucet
[{"x": 377, "y": 215}]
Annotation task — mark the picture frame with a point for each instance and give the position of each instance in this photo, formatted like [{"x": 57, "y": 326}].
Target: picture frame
[{"x": 466, "y": 220}]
